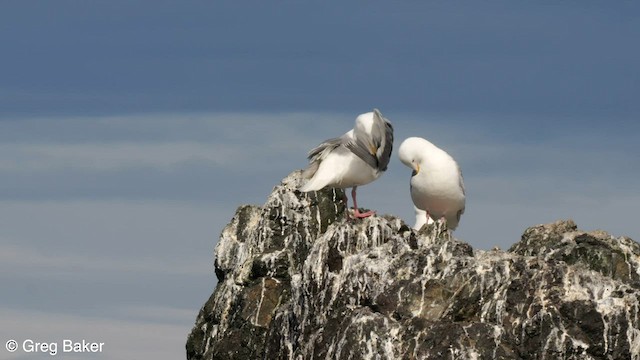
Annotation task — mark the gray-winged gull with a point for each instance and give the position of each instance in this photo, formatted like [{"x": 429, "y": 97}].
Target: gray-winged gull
[{"x": 356, "y": 158}]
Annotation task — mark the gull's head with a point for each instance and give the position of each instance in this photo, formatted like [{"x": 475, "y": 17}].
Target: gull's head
[
  {"x": 410, "y": 155},
  {"x": 415, "y": 152}
]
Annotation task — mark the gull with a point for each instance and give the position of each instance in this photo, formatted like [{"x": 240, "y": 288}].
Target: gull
[
  {"x": 436, "y": 182},
  {"x": 356, "y": 158}
]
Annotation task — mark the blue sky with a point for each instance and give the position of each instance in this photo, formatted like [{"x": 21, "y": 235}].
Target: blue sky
[{"x": 131, "y": 130}]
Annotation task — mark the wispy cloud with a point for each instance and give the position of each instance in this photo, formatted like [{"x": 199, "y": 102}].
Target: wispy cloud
[
  {"x": 114, "y": 156},
  {"x": 126, "y": 230},
  {"x": 29, "y": 262}
]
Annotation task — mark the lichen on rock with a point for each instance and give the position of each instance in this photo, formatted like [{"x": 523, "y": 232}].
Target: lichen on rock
[{"x": 297, "y": 280}]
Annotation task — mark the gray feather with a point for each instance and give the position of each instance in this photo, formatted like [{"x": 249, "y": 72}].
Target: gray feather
[
  {"x": 461, "y": 184},
  {"x": 459, "y": 214},
  {"x": 311, "y": 170},
  {"x": 461, "y": 180},
  {"x": 384, "y": 149},
  {"x": 359, "y": 148},
  {"x": 321, "y": 151}
]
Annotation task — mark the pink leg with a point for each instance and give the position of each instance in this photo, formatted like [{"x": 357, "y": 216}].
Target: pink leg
[
  {"x": 441, "y": 220},
  {"x": 356, "y": 212}
]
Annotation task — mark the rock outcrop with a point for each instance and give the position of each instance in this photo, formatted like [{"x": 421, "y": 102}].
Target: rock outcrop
[{"x": 296, "y": 280}]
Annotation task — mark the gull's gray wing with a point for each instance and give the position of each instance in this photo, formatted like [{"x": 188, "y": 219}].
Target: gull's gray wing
[
  {"x": 361, "y": 150},
  {"x": 460, "y": 180},
  {"x": 461, "y": 184},
  {"x": 375, "y": 149},
  {"x": 321, "y": 151},
  {"x": 386, "y": 147},
  {"x": 459, "y": 214}
]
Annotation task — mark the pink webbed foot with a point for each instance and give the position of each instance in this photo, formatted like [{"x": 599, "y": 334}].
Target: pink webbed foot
[{"x": 358, "y": 215}]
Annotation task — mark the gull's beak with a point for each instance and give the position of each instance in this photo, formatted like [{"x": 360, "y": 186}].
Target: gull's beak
[{"x": 416, "y": 169}]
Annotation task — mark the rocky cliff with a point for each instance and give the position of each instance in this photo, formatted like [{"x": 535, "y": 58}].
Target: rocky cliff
[{"x": 298, "y": 281}]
